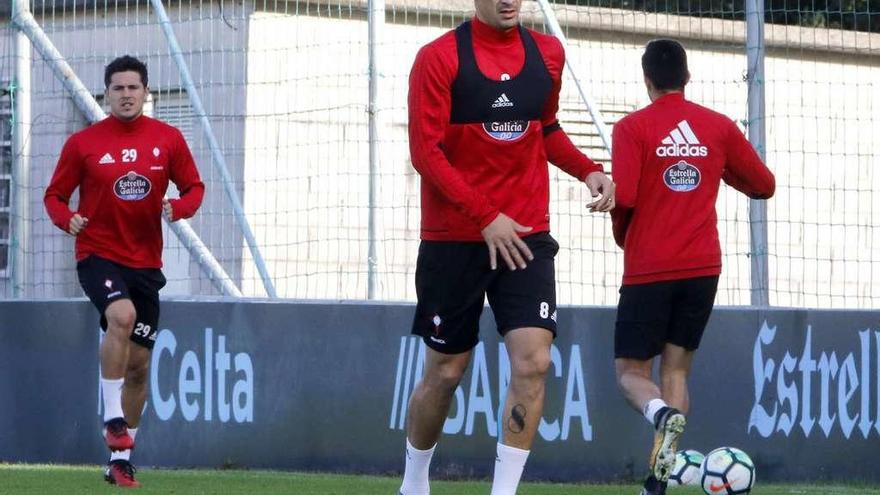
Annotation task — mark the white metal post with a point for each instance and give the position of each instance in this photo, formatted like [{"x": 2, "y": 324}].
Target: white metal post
[
  {"x": 757, "y": 136},
  {"x": 376, "y": 24},
  {"x": 21, "y": 152}
]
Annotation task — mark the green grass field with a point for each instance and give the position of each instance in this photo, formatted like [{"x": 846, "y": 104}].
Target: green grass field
[{"x": 87, "y": 480}]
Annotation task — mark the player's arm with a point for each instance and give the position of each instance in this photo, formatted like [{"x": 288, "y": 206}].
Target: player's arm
[
  {"x": 185, "y": 176},
  {"x": 626, "y": 169},
  {"x": 561, "y": 152},
  {"x": 66, "y": 178},
  {"x": 744, "y": 170},
  {"x": 429, "y": 104}
]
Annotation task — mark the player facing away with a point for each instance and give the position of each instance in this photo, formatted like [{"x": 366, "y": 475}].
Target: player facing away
[
  {"x": 482, "y": 126},
  {"x": 668, "y": 161},
  {"x": 122, "y": 166}
]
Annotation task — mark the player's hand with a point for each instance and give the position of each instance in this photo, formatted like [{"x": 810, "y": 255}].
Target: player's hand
[
  {"x": 602, "y": 190},
  {"x": 77, "y": 223},
  {"x": 501, "y": 237},
  {"x": 167, "y": 210}
]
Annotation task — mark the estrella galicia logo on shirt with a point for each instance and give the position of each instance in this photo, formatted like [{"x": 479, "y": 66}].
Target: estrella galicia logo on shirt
[
  {"x": 506, "y": 131},
  {"x": 682, "y": 177},
  {"x": 132, "y": 187}
]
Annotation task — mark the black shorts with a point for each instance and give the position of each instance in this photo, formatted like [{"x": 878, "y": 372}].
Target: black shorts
[
  {"x": 105, "y": 281},
  {"x": 651, "y": 315},
  {"x": 454, "y": 278}
]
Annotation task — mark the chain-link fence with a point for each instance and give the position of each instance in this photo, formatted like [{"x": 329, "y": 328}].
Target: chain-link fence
[{"x": 285, "y": 86}]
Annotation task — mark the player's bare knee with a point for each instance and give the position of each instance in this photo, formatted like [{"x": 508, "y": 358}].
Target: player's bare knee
[
  {"x": 533, "y": 366},
  {"x": 623, "y": 377},
  {"x": 121, "y": 321},
  {"x": 445, "y": 377},
  {"x": 619, "y": 375},
  {"x": 628, "y": 369},
  {"x": 449, "y": 376}
]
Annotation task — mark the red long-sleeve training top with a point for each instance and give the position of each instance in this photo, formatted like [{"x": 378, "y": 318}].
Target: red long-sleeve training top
[
  {"x": 668, "y": 160},
  {"x": 122, "y": 170},
  {"x": 468, "y": 176}
]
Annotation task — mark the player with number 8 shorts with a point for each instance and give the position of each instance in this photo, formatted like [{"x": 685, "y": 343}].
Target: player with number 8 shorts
[{"x": 482, "y": 124}]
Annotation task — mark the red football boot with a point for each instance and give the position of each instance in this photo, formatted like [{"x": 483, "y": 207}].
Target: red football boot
[
  {"x": 116, "y": 435},
  {"x": 121, "y": 473}
]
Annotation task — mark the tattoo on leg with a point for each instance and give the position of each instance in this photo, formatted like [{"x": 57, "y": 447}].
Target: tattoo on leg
[{"x": 517, "y": 421}]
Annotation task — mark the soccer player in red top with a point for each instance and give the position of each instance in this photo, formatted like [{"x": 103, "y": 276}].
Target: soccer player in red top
[
  {"x": 122, "y": 166},
  {"x": 482, "y": 127},
  {"x": 668, "y": 161}
]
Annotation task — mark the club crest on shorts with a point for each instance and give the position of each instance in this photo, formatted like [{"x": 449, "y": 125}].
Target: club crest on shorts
[
  {"x": 132, "y": 187},
  {"x": 506, "y": 131},
  {"x": 437, "y": 321},
  {"x": 682, "y": 177}
]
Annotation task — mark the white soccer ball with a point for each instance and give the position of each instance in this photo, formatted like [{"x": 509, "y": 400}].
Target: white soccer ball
[
  {"x": 727, "y": 471},
  {"x": 687, "y": 470}
]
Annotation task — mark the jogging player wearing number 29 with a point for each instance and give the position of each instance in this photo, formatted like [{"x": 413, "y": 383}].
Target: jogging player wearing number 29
[
  {"x": 668, "y": 161},
  {"x": 482, "y": 127},
  {"x": 122, "y": 166}
]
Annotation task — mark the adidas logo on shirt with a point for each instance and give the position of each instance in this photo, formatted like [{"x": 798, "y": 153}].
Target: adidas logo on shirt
[
  {"x": 502, "y": 101},
  {"x": 681, "y": 141},
  {"x": 106, "y": 159}
]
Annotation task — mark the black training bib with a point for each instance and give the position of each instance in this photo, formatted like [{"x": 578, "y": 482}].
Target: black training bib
[{"x": 502, "y": 104}]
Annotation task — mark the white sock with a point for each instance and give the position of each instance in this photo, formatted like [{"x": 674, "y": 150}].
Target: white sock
[
  {"x": 120, "y": 454},
  {"x": 509, "y": 465},
  {"x": 112, "y": 393},
  {"x": 415, "y": 475},
  {"x": 124, "y": 454},
  {"x": 651, "y": 409}
]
